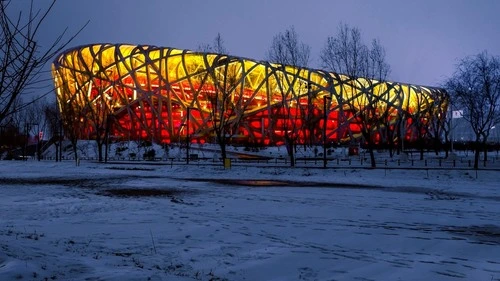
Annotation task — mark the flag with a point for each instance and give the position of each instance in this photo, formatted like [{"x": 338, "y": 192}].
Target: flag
[{"x": 457, "y": 114}]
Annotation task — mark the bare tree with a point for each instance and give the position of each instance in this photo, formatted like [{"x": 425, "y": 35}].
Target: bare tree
[
  {"x": 54, "y": 122},
  {"x": 345, "y": 53},
  {"x": 216, "y": 47},
  {"x": 287, "y": 50},
  {"x": 21, "y": 56},
  {"x": 26, "y": 121},
  {"x": 475, "y": 87},
  {"x": 420, "y": 121},
  {"x": 393, "y": 124},
  {"x": 72, "y": 121},
  {"x": 367, "y": 95},
  {"x": 223, "y": 88},
  {"x": 438, "y": 124},
  {"x": 35, "y": 121},
  {"x": 91, "y": 110},
  {"x": 96, "y": 112},
  {"x": 13, "y": 131},
  {"x": 11, "y": 137}
]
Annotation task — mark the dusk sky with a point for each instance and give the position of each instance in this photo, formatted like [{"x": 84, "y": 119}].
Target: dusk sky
[{"x": 423, "y": 39}]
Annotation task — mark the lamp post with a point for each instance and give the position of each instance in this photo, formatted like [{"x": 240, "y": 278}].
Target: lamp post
[
  {"x": 451, "y": 127},
  {"x": 325, "y": 118},
  {"x": 26, "y": 130},
  {"x": 106, "y": 135},
  {"x": 187, "y": 134},
  {"x": 61, "y": 136},
  {"x": 37, "y": 156}
]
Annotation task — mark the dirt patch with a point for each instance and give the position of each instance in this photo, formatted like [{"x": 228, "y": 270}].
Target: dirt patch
[
  {"x": 144, "y": 192},
  {"x": 483, "y": 234},
  {"x": 92, "y": 183},
  {"x": 78, "y": 182},
  {"x": 279, "y": 183},
  {"x": 432, "y": 194},
  {"x": 255, "y": 182},
  {"x": 131, "y": 169},
  {"x": 175, "y": 195}
]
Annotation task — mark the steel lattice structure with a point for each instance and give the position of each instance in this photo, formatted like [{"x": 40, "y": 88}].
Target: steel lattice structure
[{"x": 146, "y": 92}]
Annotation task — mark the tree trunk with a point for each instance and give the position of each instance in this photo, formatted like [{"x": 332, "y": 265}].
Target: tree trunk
[
  {"x": 57, "y": 152},
  {"x": 290, "y": 148},
  {"x": 369, "y": 142},
  {"x": 38, "y": 150},
  {"x": 476, "y": 157},
  {"x": 223, "y": 152},
  {"x": 485, "y": 152},
  {"x": 437, "y": 145},
  {"x": 421, "y": 141},
  {"x": 372, "y": 156},
  {"x": 399, "y": 147},
  {"x": 390, "y": 141},
  {"x": 222, "y": 145},
  {"x": 75, "y": 150},
  {"x": 60, "y": 148},
  {"x": 99, "y": 149}
]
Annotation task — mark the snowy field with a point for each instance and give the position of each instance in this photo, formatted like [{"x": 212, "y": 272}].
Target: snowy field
[{"x": 136, "y": 221}]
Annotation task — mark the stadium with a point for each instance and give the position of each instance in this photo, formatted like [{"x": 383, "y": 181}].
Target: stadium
[{"x": 168, "y": 95}]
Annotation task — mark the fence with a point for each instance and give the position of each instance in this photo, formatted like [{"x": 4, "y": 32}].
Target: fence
[{"x": 493, "y": 162}]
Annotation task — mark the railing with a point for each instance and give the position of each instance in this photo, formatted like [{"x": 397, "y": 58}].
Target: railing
[{"x": 493, "y": 162}]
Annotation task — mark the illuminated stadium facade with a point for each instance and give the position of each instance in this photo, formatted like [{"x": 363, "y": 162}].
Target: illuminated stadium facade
[{"x": 165, "y": 95}]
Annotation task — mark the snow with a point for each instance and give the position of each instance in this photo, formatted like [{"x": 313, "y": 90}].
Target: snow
[{"x": 257, "y": 221}]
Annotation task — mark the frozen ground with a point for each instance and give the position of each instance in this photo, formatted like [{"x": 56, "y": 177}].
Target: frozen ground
[{"x": 201, "y": 222}]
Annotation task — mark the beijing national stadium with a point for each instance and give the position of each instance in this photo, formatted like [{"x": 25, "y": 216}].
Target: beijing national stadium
[{"x": 168, "y": 95}]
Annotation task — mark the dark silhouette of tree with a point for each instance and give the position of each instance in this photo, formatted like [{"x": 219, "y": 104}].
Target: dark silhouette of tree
[
  {"x": 91, "y": 110},
  {"x": 223, "y": 88},
  {"x": 216, "y": 47},
  {"x": 438, "y": 124},
  {"x": 421, "y": 117},
  {"x": 475, "y": 88},
  {"x": 293, "y": 56},
  {"x": 368, "y": 100},
  {"x": 22, "y": 58},
  {"x": 35, "y": 121},
  {"x": 54, "y": 126}
]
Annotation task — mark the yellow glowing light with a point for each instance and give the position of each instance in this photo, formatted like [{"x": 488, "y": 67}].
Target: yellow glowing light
[{"x": 127, "y": 76}]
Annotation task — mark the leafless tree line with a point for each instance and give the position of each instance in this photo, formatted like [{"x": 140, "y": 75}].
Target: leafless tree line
[
  {"x": 22, "y": 62},
  {"x": 36, "y": 121},
  {"x": 474, "y": 87},
  {"x": 217, "y": 80}
]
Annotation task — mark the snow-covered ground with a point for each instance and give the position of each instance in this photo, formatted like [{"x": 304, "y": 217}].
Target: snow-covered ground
[
  {"x": 306, "y": 156},
  {"x": 134, "y": 221}
]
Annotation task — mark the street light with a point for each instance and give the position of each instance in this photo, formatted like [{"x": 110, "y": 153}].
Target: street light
[
  {"x": 37, "y": 155},
  {"x": 109, "y": 119},
  {"x": 325, "y": 117},
  {"x": 26, "y": 131},
  {"x": 187, "y": 133}
]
